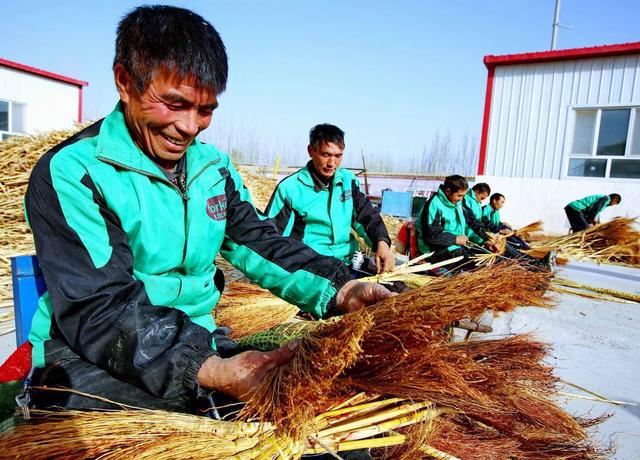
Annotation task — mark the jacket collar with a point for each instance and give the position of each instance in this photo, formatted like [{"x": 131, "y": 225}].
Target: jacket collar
[
  {"x": 116, "y": 145},
  {"x": 444, "y": 198},
  {"x": 307, "y": 179},
  {"x": 471, "y": 195}
]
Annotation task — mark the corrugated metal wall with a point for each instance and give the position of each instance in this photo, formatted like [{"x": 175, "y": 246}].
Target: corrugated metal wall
[{"x": 531, "y": 121}]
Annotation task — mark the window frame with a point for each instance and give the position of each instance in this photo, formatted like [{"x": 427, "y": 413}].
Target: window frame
[
  {"x": 10, "y": 131},
  {"x": 634, "y": 117}
]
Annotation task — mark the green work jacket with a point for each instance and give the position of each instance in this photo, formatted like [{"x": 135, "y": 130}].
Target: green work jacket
[
  {"x": 472, "y": 208},
  {"x": 323, "y": 216},
  {"x": 591, "y": 205},
  {"x": 439, "y": 222},
  {"x": 129, "y": 258}
]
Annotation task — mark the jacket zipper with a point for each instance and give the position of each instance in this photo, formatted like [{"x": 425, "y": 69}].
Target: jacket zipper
[
  {"x": 183, "y": 195},
  {"x": 333, "y": 236}
]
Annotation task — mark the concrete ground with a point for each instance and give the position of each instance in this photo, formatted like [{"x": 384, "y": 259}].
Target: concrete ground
[{"x": 595, "y": 345}]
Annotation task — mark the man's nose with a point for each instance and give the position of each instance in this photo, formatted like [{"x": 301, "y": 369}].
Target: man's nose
[{"x": 188, "y": 124}]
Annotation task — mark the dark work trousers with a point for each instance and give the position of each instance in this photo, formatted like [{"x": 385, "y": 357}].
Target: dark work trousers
[
  {"x": 518, "y": 242},
  {"x": 465, "y": 264},
  {"x": 65, "y": 369},
  {"x": 68, "y": 370},
  {"x": 577, "y": 220}
]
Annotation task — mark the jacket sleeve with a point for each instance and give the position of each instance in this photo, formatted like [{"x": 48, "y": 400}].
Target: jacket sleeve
[
  {"x": 280, "y": 211},
  {"x": 366, "y": 218},
  {"x": 433, "y": 234},
  {"x": 486, "y": 221},
  {"x": 99, "y": 309},
  {"x": 474, "y": 226},
  {"x": 285, "y": 266},
  {"x": 591, "y": 213}
]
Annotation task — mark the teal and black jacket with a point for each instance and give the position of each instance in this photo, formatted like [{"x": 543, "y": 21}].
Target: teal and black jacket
[
  {"x": 491, "y": 219},
  {"x": 591, "y": 206},
  {"x": 439, "y": 222},
  {"x": 322, "y": 216},
  {"x": 472, "y": 209},
  {"x": 128, "y": 257}
]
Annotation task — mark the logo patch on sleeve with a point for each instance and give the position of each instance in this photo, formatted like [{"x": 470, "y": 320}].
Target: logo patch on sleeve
[{"x": 217, "y": 207}]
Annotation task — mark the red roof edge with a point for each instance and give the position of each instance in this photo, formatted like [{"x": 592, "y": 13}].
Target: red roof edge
[
  {"x": 42, "y": 73},
  {"x": 563, "y": 55}
]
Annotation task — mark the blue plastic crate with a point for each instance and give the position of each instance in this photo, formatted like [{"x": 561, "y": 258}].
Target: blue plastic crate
[
  {"x": 397, "y": 204},
  {"x": 28, "y": 286}
]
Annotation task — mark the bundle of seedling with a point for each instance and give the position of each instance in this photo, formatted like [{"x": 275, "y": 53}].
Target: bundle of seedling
[
  {"x": 495, "y": 395},
  {"x": 616, "y": 241},
  {"x": 246, "y": 309}
]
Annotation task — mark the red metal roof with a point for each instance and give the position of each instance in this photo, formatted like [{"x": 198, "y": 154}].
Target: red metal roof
[
  {"x": 42, "y": 73},
  {"x": 563, "y": 55}
]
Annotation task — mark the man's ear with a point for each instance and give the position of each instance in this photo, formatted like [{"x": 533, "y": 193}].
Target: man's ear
[
  {"x": 124, "y": 82},
  {"x": 310, "y": 150}
]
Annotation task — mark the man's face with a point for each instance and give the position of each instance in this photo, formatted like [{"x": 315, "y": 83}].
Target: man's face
[
  {"x": 499, "y": 203},
  {"x": 481, "y": 196},
  {"x": 326, "y": 158},
  {"x": 167, "y": 116},
  {"x": 455, "y": 197}
]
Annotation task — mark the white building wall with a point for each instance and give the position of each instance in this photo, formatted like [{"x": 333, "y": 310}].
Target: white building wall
[
  {"x": 50, "y": 104},
  {"x": 529, "y": 200},
  {"x": 532, "y": 116}
]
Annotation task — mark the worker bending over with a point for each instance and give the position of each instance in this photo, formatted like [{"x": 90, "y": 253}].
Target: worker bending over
[{"x": 583, "y": 213}]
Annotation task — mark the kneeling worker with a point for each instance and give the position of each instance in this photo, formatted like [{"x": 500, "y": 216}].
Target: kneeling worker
[
  {"x": 583, "y": 213},
  {"x": 322, "y": 202}
]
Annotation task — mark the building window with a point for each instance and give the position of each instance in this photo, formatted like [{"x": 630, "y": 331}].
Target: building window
[
  {"x": 606, "y": 143},
  {"x": 12, "y": 118}
]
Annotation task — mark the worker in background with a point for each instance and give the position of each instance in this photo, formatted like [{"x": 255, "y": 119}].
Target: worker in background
[
  {"x": 583, "y": 213},
  {"x": 128, "y": 217},
  {"x": 321, "y": 203},
  {"x": 441, "y": 225},
  {"x": 472, "y": 209},
  {"x": 443, "y": 230},
  {"x": 492, "y": 221}
]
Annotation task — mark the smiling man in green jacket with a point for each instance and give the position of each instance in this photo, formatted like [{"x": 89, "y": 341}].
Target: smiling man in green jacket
[
  {"x": 128, "y": 217},
  {"x": 321, "y": 203}
]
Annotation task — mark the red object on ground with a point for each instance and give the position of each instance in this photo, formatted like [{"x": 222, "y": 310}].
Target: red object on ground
[
  {"x": 408, "y": 236},
  {"x": 18, "y": 365}
]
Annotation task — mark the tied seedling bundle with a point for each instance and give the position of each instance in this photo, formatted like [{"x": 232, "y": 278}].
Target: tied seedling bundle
[{"x": 496, "y": 392}]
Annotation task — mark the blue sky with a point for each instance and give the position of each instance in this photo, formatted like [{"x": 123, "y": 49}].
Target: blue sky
[{"x": 390, "y": 73}]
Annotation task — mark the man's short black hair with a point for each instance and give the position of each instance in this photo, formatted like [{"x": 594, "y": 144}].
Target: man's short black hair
[
  {"x": 496, "y": 197},
  {"x": 482, "y": 187},
  {"x": 615, "y": 197},
  {"x": 326, "y": 133},
  {"x": 455, "y": 183},
  {"x": 150, "y": 38}
]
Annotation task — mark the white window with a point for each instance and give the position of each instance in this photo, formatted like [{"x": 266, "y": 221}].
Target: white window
[
  {"x": 12, "y": 118},
  {"x": 606, "y": 143}
]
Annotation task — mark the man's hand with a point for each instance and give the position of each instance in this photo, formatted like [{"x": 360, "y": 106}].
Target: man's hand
[
  {"x": 385, "y": 260},
  {"x": 461, "y": 240},
  {"x": 490, "y": 245},
  {"x": 355, "y": 295},
  {"x": 240, "y": 375}
]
